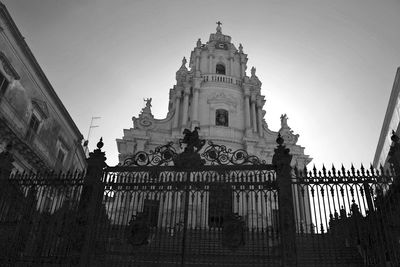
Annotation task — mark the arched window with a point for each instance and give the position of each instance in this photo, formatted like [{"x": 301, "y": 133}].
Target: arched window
[
  {"x": 220, "y": 69},
  {"x": 221, "y": 117}
]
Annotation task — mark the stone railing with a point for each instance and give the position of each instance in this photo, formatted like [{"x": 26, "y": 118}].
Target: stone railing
[{"x": 220, "y": 78}]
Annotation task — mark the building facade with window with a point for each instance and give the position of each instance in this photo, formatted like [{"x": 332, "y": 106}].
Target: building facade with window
[
  {"x": 215, "y": 94},
  {"x": 33, "y": 119},
  {"x": 391, "y": 122}
]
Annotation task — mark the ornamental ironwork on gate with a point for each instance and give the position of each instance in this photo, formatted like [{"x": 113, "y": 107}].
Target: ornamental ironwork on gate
[{"x": 207, "y": 205}]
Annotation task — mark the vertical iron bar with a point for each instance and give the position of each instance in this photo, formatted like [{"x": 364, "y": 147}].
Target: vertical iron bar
[{"x": 185, "y": 218}]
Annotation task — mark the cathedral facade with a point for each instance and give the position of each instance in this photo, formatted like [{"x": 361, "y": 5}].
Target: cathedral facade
[{"x": 215, "y": 94}]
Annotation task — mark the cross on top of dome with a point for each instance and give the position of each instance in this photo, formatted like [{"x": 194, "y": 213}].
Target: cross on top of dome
[{"x": 219, "y": 23}]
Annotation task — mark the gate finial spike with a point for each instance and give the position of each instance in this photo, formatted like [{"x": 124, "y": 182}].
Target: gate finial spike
[
  {"x": 333, "y": 170},
  {"x": 315, "y": 171},
  {"x": 323, "y": 170},
  {"x": 372, "y": 169},
  {"x": 352, "y": 169},
  {"x": 343, "y": 171},
  {"x": 362, "y": 169}
]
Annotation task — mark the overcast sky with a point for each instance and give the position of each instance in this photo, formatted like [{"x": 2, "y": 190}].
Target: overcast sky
[{"x": 329, "y": 65}]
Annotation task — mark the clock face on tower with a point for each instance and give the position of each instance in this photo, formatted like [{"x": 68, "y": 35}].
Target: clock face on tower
[{"x": 221, "y": 46}]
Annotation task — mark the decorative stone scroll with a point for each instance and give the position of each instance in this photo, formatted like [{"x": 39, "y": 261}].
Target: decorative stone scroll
[{"x": 146, "y": 118}]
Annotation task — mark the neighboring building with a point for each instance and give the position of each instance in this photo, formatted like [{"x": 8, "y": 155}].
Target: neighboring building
[
  {"x": 32, "y": 117},
  {"x": 390, "y": 123},
  {"x": 216, "y": 95}
]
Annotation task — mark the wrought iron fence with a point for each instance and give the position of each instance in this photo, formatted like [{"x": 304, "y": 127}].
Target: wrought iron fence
[
  {"x": 219, "y": 207},
  {"x": 349, "y": 217},
  {"x": 38, "y": 213}
]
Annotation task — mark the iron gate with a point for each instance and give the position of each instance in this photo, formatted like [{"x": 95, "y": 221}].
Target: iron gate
[
  {"x": 213, "y": 216},
  {"x": 224, "y": 213}
]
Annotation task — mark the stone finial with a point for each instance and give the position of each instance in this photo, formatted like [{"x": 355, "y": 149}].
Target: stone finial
[
  {"x": 240, "y": 48},
  {"x": 198, "y": 44},
  {"x": 100, "y": 144},
  {"x": 279, "y": 140},
  {"x": 184, "y": 61},
  {"x": 219, "y": 27}
]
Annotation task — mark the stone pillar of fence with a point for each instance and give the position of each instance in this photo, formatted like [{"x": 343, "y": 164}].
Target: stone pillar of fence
[
  {"x": 287, "y": 229},
  {"x": 90, "y": 201}
]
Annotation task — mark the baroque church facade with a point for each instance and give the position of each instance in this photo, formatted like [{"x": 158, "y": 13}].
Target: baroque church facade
[{"x": 215, "y": 94}]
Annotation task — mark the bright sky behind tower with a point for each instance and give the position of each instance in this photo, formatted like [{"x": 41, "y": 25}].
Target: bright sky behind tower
[{"x": 329, "y": 65}]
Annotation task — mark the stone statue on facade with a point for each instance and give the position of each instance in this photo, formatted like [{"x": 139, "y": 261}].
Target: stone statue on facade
[
  {"x": 286, "y": 132},
  {"x": 198, "y": 44},
  {"x": 253, "y": 72},
  {"x": 148, "y": 102},
  {"x": 284, "y": 119}
]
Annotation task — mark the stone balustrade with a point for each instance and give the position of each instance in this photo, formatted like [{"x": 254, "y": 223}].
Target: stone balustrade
[{"x": 220, "y": 78}]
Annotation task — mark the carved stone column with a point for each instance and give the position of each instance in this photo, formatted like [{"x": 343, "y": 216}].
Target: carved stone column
[
  {"x": 247, "y": 119},
  {"x": 210, "y": 63},
  {"x": 195, "y": 112},
  {"x": 177, "y": 109},
  {"x": 259, "y": 117},
  {"x": 230, "y": 71},
  {"x": 198, "y": 59},
  {"x": 287, "y": 227},
  {"x": 185, "y": 108},
  {"x": 253, "y": 113}
]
